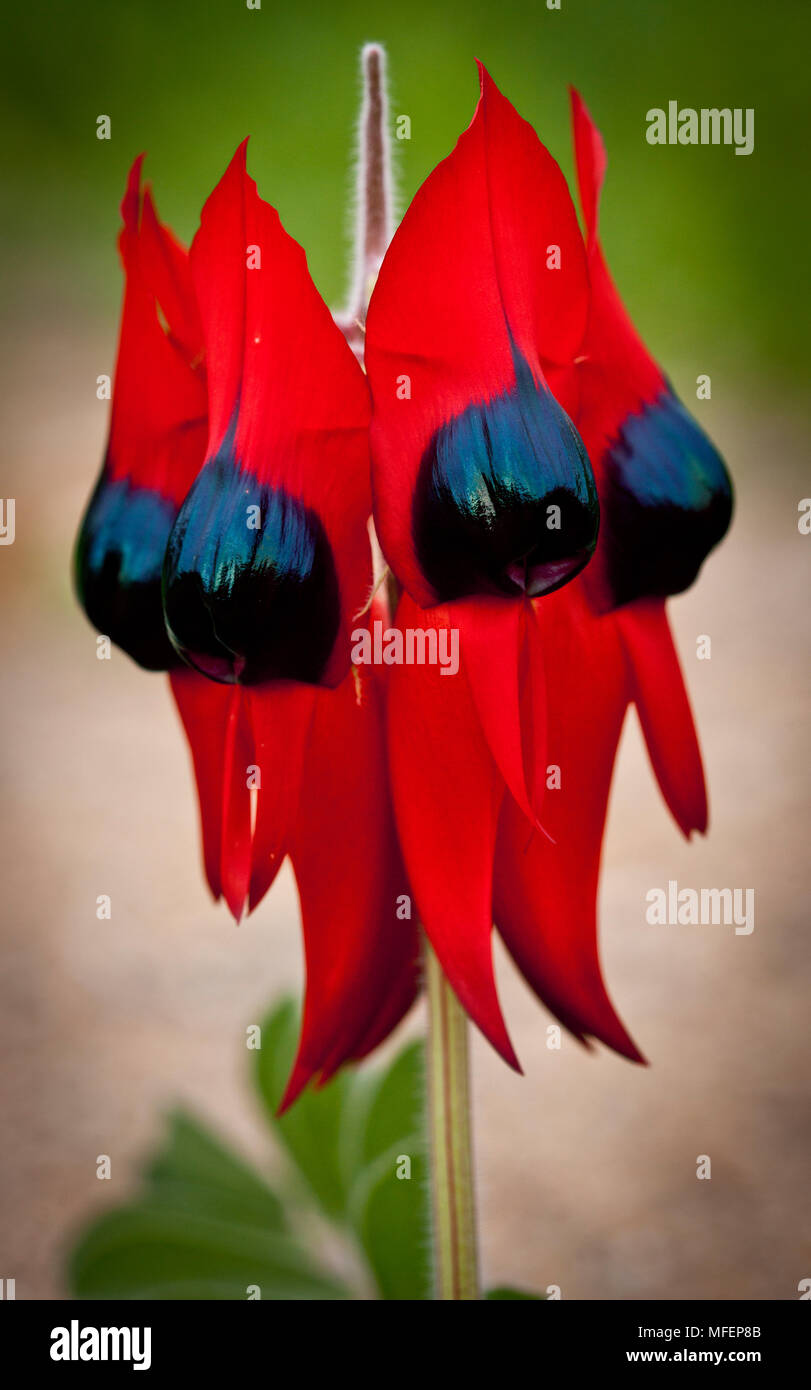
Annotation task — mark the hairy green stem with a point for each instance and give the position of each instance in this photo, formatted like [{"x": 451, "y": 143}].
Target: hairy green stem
[{"x": 451, "y": 1155}]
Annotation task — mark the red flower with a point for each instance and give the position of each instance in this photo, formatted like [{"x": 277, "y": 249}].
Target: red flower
[
  {"x": 157, "y": 437},
  {"x": 284, "y": 763},
  {"x": 666, "y": 500},
  {"x": 267, "y": 609},
  {"x": 483, "y": 307}
]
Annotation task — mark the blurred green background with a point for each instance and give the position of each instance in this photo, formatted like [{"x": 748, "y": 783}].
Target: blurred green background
[{"x": 707, "y": 246}]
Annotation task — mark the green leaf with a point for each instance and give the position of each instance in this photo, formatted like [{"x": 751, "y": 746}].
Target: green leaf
[
  {"x": 195, "y": 1172},
  {"x": 310, "y": 1129},
  {"x": 151, "y": 1252},
  {"x": 345, "y": 1140},
  {"x": 504, "y": 1292},
  {"x": 391, "y": 1214},
  {"x": 397, "y": 1103},
  {"x": 389, "y": 1210},
  {"x": 207, "y": 1227}
]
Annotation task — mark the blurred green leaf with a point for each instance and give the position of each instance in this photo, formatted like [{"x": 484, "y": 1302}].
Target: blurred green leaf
[
  {"x": 209, "y": 1227},
  {"x": 195, "y": 1172},
  {"x": 310, "y": 1129},
  {"x": 152, "y": 1252},
  {"x": 505, "y": 1293},
  {"x": 397, "y": 1103},
  {"x": 382, "y": 1105},
  {"x": 391, "y": 1214},
  {"x": 389, "y": 1202},
  {"x": 346, "y": 1140}
]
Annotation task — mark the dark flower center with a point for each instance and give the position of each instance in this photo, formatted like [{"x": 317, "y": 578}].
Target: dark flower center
[
  {"x": 667, "y": 500},
  {"x": 250, "y": 590},
  {"x": 118, "y": 563},
  {"x": 505, "y": 500}
]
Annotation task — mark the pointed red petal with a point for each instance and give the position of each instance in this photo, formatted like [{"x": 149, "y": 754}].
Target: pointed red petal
[
  {"x": 283, "y": 380},
  {"x": 400, "y": 993},
  {"x": 235, "y": 864},
  {"x": 544, "y": 905},
  {"x": 204, "y": 708},
  {"x": 545, "y": 893},
  {"x": 661, "y": 699},
  {"x": 591, "y": 161},
  {"x": 158, "y": 419},
  {"x": 281, "y": 717},
  {"x": 464, "y": 284},
  {"x": 618, "y": 374},
  {"x": 532, "y": 675},
  {"x": 360, "y": 956},
  {"x": 447, "y": 794},
  {"x": 491, "y": 636},
  {"x": 665, "y": 492},
  {"x": 166, "y": 265}
]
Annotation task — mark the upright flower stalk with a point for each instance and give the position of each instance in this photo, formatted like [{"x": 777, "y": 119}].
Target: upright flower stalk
[
  {"x": 456, "y": 1262},
  {"x": 374, "y": 201}
]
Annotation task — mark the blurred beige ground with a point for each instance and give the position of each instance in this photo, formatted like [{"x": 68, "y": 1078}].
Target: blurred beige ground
[{"x": 587, "y": 1165}]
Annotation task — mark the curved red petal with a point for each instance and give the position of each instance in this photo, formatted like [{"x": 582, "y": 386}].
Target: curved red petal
[
  {"x": 663, "y": 706},
  {"x": 168, "y": 270},
  {"x": 285, "y": 389},
  {"x": 360, "y": 955},
  {"x": 158, "y": 419},
  {"x": 544, "y": 905},
  {"x": 204, "y": 709},
  {"x": 281, "y": 716},
  {"x": 665, "y": 492},
  {"x": 591, "y": 161},
  {"x": 236, "y": 850},
  {"x": 617, "y": 374},
  {"x": 545, "y": 893},
  {"x": 491, "y": 639},
  {"x": 534, "y": 734},
  {"x": 401, "y": 991},
  {"x": 447, "y": 793},
  {"x": 469, "y": 279}
]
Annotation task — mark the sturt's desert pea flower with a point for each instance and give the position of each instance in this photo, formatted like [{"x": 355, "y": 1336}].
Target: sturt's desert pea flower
[
  {"x": 485, "y": 505},
  {"x": 666, "y": 500},
  {"x": 501, "y": 776},
  {"x": 266, "y": 569},
  {"x": 157, "y": 439},
  {"x": 269, "y": 558},
  {"x": 284, "y": 765}
]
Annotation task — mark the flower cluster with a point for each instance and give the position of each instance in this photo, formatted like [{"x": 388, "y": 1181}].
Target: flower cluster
[{"x": 536, "y": 487}]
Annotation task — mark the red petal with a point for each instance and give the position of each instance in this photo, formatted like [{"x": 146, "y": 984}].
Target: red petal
[
  {"x": 281, "y": 717},
  {"x": 280, "y": 368},
  {"x": 532, "y": 674},
  {"x": 618, "y": 374},
  {"x": 158, "y": 420},
  {"x": 545, "y": 893},
  {"x": 464, "y": 279},
  {"x": 360, "y": 957},
  {"x": 166, "y": 265},
  {"x": 399, "y": 996},
  {"x": 229, "y": 731},
  {"x": 491, "y": 638},
  {"x": 447, "y": 794},
  {"x": 204, "y": 709},
  {"x": 236, "y": 858},
  {"x": 661, "y": 699}
]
